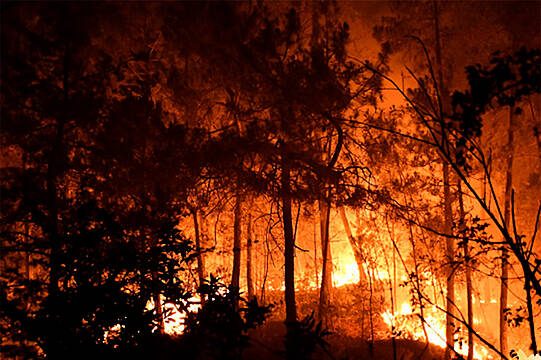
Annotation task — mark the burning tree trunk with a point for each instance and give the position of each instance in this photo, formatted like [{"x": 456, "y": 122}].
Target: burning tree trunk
[
  {"x": 507, "y": 221},
  {"x": 249, "y": 277},
  {"x": 326, "y": 275}
]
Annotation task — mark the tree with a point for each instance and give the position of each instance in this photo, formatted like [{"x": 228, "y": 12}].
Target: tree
[
  {"x": 506, "y": 81},
  {"x": 218, "y": 330},
  {"x": 290, "y": 96},
  {"x": 95, "y": 270}
]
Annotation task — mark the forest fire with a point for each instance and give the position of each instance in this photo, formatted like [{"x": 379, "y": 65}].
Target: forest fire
[
  {"x": 174, "y": 318},
  {"x": 270, "y": 180},
  {"x": 410, "y": 326}
]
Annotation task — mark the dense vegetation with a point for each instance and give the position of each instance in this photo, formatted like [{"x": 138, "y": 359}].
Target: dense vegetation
[{"x": 201, "y": 161}]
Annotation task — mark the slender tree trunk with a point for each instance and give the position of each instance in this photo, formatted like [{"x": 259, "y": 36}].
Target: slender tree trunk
[
  {"x": 326, "y": 276},
  {"x": 507, "y": 219},
  {"x": 235, "y": 277},
  {"x": 450, "y": 254},
  {"x": 448, "y": 215},
  {"x": 354, "y": 246},
  {"x": 237, "y": 224},
  {"x": 469, "y": 297},
  {"x": 371, "y": 313},
  {"x": 249, "y": 277},
  {"x": 528, "y": 289},
  {"x": 289, "y": 259},
  {"x": 324, "y": 206},
  {"x": 289, "y": 248}
]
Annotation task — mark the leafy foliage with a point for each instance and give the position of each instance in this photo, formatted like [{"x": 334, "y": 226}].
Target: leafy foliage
[
  {"x": 219, "y": 329},
  {"x": 305, "y": 337},
  {"x": 507, "y": 80},
  {"x": 105, "y": 283}
]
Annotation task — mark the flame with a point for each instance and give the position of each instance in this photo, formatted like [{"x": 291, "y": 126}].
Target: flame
[
  {"x": 346, "y": 270},
  {"x": 174, "y": 319},
  {"x": 346, "y": 273},
  {"x": 521, "y": 355},
  {"x": 407, "y": 324}
]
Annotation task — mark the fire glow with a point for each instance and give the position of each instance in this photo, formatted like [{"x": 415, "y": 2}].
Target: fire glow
[
  {"x": 408, "y": 325},
  {"x": 190, "y": 176}
]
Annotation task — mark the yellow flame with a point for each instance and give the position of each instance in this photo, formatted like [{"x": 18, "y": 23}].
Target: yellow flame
[
  {"x": 174, "y": 319},
  {"x": 435, "y": 329},
  {"x": 347, "y": 273}
]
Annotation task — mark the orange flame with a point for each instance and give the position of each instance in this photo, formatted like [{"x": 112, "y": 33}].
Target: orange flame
[{"x": 408, "y": 324}]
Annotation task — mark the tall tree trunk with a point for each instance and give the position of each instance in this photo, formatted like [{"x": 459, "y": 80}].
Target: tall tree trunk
[
  {"x": 354, "y": 246},
  {"x": 289, "y": 259},
  {"x": 326, "y": 275},
  {"x": 249, "y": 277},
  {"x": 235, "y": 277},
  {"x": 371, "y": 313},
  {"x": 507, "y": 219},
  {"x": 237, "y": 223},
  {"x": 450, "y": 254},
  {"x": 289, "y": 248},
  {"x": 469, "y": 296},
  {"x": 447, "y": 213},
  {"x": 392, "y": 290},
  {"x": 528, "y": 289}
]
